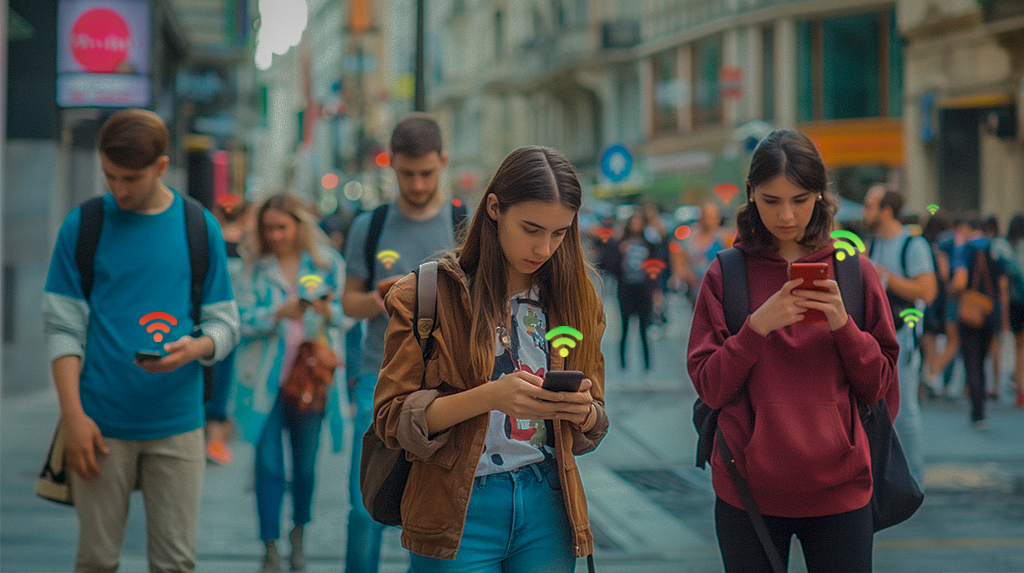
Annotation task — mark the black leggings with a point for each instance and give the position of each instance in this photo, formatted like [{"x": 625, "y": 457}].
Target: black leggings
[
  {"x": 831, "y": 543},
  {"x": 635, "y": 299}
]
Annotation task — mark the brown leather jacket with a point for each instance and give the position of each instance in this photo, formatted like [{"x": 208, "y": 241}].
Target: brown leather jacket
[{"x": 437, "y": 493}]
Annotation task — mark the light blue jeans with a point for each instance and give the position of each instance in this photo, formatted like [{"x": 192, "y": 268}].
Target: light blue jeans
[
  {"x": 304, "y": 431},
  {"x": 516, "y": 523},
  {"x": 362, "y": 554},
  {"x": 908, "y": 421}
]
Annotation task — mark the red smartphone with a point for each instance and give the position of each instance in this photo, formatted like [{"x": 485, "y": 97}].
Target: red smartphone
[{"x": 810, "y": 272}]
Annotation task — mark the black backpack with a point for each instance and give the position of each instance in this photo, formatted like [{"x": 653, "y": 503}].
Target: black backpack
[
  {"x": 377, "y": 227},
  {"x": 198, "y": 253},
  {"x": 736, "y": 305}
]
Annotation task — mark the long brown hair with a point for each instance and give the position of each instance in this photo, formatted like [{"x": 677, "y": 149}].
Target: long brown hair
[
  {"x": 567, "y": 292},
  {"x": 789, "y": 153},
  {"x": 307, "y": 234}
]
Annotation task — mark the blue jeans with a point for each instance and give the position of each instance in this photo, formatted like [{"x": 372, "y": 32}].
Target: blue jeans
[
  {"x": 304, "y": 431},
  {"x": 362, "y": 554},
  {"x": 516, "y": 523},
  {"x": 217, "y": 407}
]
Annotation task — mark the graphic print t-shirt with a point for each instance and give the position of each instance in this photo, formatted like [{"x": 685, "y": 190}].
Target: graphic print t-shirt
[{"x": 513, "y": 443}]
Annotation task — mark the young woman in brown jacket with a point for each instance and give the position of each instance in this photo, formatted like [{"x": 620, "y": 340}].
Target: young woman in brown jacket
[{"x": 494, "y": 483}]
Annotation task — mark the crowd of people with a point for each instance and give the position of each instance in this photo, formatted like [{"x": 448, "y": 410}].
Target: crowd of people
[{"x": 144, "y": 407}]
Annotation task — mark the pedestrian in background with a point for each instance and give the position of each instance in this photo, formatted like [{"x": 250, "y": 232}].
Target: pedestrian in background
[
  {"x": 416, "y": 228},
  {"x": 493, "y": 484},
  {"x": 904, "y": 265},
  {"x": 1002, "y": 251},
  {"x": 946, "y": 243},
  {"x": 134, "y": 424},
  {"x": 934, "y": 323},
  {"x": 784, "y": 387},
  {"x": 232, "y": 213},
  {"x": 974, "y": 267},
  {"x": 289, "y": 249},
  {"x": 635, "y": 288},
  {"x": 700, "y": 248},
  {"x": 1015, "y": 237}
]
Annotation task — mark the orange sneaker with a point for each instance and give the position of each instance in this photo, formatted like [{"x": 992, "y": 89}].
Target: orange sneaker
[{"x": 219, "y": 453}]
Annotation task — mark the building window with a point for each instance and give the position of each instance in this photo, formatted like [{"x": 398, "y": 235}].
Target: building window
[
  {"x": 849, "y": 67},
  {"x": 669, "y": 92},
  {"x": 707, "y": 100}
]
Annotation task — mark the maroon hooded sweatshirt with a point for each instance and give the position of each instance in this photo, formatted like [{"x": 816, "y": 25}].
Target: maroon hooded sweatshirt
[{"x": 787, "y": 399}]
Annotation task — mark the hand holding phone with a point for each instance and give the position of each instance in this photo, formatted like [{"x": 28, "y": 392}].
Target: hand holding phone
[
  {"x": 810, "y": 272},
  {"x": 563, "y": 380}
]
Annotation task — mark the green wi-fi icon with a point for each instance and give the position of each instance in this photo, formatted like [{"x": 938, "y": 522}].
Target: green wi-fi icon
[
  {"x": 932, "y": 209},
  {"x": 911, "y": 316},
  {"x": 848, "y": 242},
  {"x": 563, "y": 339}
]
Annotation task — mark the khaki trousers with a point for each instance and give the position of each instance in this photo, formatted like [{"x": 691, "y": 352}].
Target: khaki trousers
[{"x": 169, "y": 471}]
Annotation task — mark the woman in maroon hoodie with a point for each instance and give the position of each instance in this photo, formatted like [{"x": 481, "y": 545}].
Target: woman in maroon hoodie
[{"x": 787, "y": 388}]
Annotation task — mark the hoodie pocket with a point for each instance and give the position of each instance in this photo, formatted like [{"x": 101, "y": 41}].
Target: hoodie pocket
[{"x": 799, "y": 447}]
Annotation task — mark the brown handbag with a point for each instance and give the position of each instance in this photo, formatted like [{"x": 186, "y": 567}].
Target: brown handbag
[
  {"x": 976, "y": 306},
  {"x": 312, "y": 374}
]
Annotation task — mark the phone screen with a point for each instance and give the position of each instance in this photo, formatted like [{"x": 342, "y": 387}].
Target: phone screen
[
  {"x": 810, "y": 272},
  {"x": 563, "y": 380}
]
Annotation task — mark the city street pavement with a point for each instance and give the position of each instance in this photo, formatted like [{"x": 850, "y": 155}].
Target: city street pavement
[{"x": 651, "y": 510}]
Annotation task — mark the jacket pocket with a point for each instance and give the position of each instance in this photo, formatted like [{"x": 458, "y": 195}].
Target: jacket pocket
[{"x": 799, "y": 447}]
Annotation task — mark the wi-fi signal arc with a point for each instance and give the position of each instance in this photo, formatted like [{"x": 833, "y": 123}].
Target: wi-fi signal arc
[
  {"x": 388, "y": 258},
  {"x": 911, "y": 316},
  {"x": 726, "y": 191},
  {"x": 563, "y": 337},
  {"x": 849, "y": 242},
  {"x": 228, "y": 200},
  {"x": 653, "y": 267},
  {"x": 604, "y": 233},
  {"x": 311, "y": 282},
  {"x": 932, "y": 208},
  {"x": 154, "y": 326}
]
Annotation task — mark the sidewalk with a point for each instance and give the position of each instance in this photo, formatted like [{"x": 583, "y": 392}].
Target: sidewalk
[{"x": 651, "y": 509}]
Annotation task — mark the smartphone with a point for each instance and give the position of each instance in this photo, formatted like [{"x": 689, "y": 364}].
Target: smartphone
[
  {"x": 385, "y": 285},
  {"x": 563, "y": 380},
  {"x": 144, "y": 355},
  {"x": 810, "y": 272},
  {"x": 320, "y": 291}
]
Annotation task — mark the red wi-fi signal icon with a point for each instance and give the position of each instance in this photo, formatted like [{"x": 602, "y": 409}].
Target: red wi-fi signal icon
[
  {"x": 653, "y": 267},
  {"x": 154, "y": 319},
  {"x": 228, "y": 201},
  {"x": 726, "y": 191},
  {"x": 604, "y": 233}
]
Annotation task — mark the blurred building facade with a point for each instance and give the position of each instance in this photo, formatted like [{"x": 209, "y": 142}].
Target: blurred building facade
[{"x": 688, "y": 85}]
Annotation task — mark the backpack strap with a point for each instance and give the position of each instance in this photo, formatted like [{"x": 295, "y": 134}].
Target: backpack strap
[
  {"x": 426, "y": 304},
  {"x": 372, "y": 238},
  {"x": 88, "y": 239},
  {"x": 735, "y": 296},
  {"x": 198, "y": 254}
]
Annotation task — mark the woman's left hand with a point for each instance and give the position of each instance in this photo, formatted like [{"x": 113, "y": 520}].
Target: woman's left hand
[
  {"x": 575, "y": 407},
  {"x": 829, "y": 302},
  {"x": 322, "y": 306}
]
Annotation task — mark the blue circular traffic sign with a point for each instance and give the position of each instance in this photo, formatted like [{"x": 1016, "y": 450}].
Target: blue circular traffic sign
[{"x": 616, "y": 163}]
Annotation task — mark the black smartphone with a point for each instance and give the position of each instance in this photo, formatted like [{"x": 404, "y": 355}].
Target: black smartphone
[
  {"x": 144, "y": 355},
  {"x": 563, "y": 380}
]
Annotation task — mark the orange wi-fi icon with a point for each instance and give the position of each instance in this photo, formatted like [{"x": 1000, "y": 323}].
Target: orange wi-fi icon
[
  {"x": 604, "y": 233},
  {"x": 653, "y": 267},
  {"x": 726, "y": 191},
  {"x": 155, "y": 325},
  {"x": 228, "y": 201}
]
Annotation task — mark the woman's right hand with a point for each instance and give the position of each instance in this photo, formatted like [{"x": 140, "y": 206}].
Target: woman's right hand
[
  {"x": 292, "y": 308},
  {"x": 779, "y": 311},
  {"x": 519, "y": 395},
  {"x": 82, "y": 441}
]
